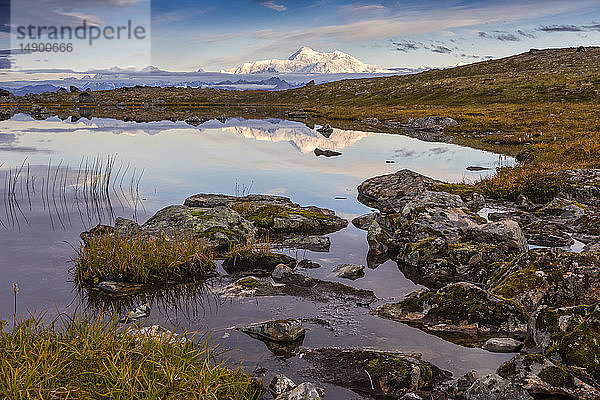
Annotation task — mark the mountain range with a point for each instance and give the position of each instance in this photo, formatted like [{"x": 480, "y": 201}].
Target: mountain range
[{"x": 308, "y": 61}]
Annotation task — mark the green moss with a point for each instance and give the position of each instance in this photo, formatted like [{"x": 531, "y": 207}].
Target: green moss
[
  {"x": 475, "y": 217},
  {"x": 250, "y": 283},
  {"x": 264, "y": 217},
  {"x": 558, "y": 376},
  {"x": 581, "y": 347},
  {"x": 211, "y": 233},
  {"x": 197, "y": 213},
  {"x": 518, "y": 282},
  {"x": 507, "y": 370},
  {"x": 464, "y": 191}
]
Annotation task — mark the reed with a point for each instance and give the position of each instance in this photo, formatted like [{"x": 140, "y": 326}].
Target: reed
[{"x": 98, "y": 359}]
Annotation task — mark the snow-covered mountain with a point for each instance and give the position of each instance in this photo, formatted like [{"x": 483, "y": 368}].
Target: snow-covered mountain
[{"x": 308, "y": 61}]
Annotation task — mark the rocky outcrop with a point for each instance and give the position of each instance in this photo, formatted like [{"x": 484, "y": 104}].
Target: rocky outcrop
[
  {"x": 494, "y": 387},
  {"x": 431, "y": 123},
  {"x": 543, "y": 378},
  {"x": 216, "y": 227},
  {"x": 549, "y": 277},
  {"x": 374, "y": 373},
  {"x": 462, "y": 313}
]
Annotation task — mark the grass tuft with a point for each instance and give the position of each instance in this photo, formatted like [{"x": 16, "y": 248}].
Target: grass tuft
[
  {"x": 141, "y": 260},
  {"x": 99, "y": 360}
]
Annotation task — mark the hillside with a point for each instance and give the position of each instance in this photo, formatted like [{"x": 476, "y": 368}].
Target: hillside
[{"x": 541, "y": 104}]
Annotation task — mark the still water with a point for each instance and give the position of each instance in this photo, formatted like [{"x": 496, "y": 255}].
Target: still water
[{"x": 48, "y": 170}]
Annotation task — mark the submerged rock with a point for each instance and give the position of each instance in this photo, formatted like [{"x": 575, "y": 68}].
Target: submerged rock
[
  {"x": 256, "y": 262},
  {"x": 117, "y": 288},
  {"x": 308, "y": 264},
  {"x": 250, "y": 286},
  {"x": 285, "y": 330},
  {"x": 281, "y": 384},
  {"x": 140, "y": 312},
  {"x": 312, "y": 243},
  {"x": 284, "y": 274},
  {"x": 327, "y": 153},
  {"x": 349, "y": 271},
  {"x": 461, "y": 313},
  {"x": 372, "y": 372},
  {"x": 543, "y": 378}
]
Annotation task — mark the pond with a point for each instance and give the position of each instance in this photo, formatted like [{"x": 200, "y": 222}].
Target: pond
[{"x": 54, "y": 186}]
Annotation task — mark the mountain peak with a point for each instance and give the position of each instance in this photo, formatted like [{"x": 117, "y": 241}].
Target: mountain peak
[{"x": 307, "y": 60}]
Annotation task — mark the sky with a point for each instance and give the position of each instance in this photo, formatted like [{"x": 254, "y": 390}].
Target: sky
[{"x": 187, "y": 35}]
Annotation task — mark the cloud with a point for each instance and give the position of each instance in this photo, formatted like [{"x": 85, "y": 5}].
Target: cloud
[
  {"x": 529, "y": 35},
  {"x": 441, "y": 49},
  {"x": 360, "y": 10},
  {"x": 5, "y": 59},
  {"x": 176, "y": 15},
  {"x": 407, "y": 45},
  {"x": 271, "y": 4},
  {"x": 500, "y": 35},
  {"x": 594, "y": 26}
]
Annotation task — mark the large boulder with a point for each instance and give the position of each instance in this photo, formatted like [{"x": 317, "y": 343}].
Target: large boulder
[
  {"x": 285, "y": 330},
  {"x": 505, "y": 233},
  {"x": 374, "y": 373},
  {"x": 462, "y": 313},
  {"x": 543, "y": 378},
  {"x": 550, "y": 277},
  {"x": 216, "y": 227},
  {"x": 275, "y": 215}
]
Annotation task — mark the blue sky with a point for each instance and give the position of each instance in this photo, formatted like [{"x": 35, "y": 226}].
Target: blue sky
[{"x": 187, "y": 35}]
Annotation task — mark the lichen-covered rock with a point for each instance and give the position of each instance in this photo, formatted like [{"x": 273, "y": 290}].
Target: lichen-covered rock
[
  {"x": 563, "y": 208},
  {"x": 372, "y": 372},
  {"x": 505, "y": 233},
  {"x": 98, "y": 230},
  {"x": 462, "y": 313},
  {"x": 547, "y": 234},
  {"x": 431, "y": 123},
  {"x": 312, "y": 243},
  {"x": 276, "y": 215},
  {"x": 581, "y": 185},
  {"x": 494, "y": 387},
  {"x": 281, "y": 384},
  {"x": 284, "y": 330},
  {"x": 215, "y": 227},
  {"x": 549, "y": 277},
  {"x": 541, "y": 377},
  {"x": 364, "y": 221},
  {"x": 389, "y": 193},
  {"x": 284, "y": 274},
  {"x": 127, "y": 227},
  {"x": 304, "y": 391},
  {"x": 256, "y": 262}
]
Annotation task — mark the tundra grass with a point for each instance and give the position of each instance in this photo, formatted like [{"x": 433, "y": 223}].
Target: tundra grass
[
  {"x": 141, "y": 260},
  {"x": 97, "y": 360}
]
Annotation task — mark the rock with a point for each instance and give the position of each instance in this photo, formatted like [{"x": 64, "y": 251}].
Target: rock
[
  {"x": 458, "y": 388},
  {"x": 257, "y": 262},
  {"x": 284, "y": 274},
  {"x": 524, "y": 203},
  {"x": 140, "y": 312},
  {"x": 431, "y": 123},
  {"x": 476, "y": 203},
  {"x": 61, "y": 90},
  {"x": 281, "y": 384},
  {"x": 579, "y": 185},
  {"x": 390, "y": 193},
  {"x": 535, "y": 52},
  {"x": 85, "y": 97},
  {"x": 411, "y": 396},
  {"x": 275, "y": 215},
  {"x": 312, "y": 243},
  {"x": 117, "y": 288},
  {"x": 122, "y": 105},
  {"x": 216, "y": 228},
  {"x": 308, "y": 264},
  {"x": 542, "y": 233},
  {"x": 563, "y": 208},
  {"x": 250, "y": 286},
  {"x": 502, "y": 345},
  {"x": 475, "y": 168},
  {"x": 550, "y": 277},
  {"x": 99, "y": 230},
  {"x": 545, "y": 379},
  {"x": 195, "y": 121},
  {"x": 349, "y": 271},
  {"x": 285, "y": 330},
  {"x": 39, "y": 110},
  {"x": 304, "y": 391},
  {"x": 4, "y": 93},
  {"x": 494, "y": 387},
  {"x": 371, "y": 121},
  {"x": 377, "y": 238},
  {"x": 74, "y": 89},
  {"x": 156, "y": 333},
  {"x": 592, "y": 247},
  {"x": 364, "y": 221},
  {"x": 310, "y": 83},
  {"x": 373, "y": 373},
  {"x": 222, "y": 118},
  {"x": 325, "y": 130},
  {"x": 461, "y": 313},
  {"x": 581, "y": 49},
  {"x": 504, "y": 233},
  {"x": 127, "y": 227},
  {"x": 327, "y": 153}
]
